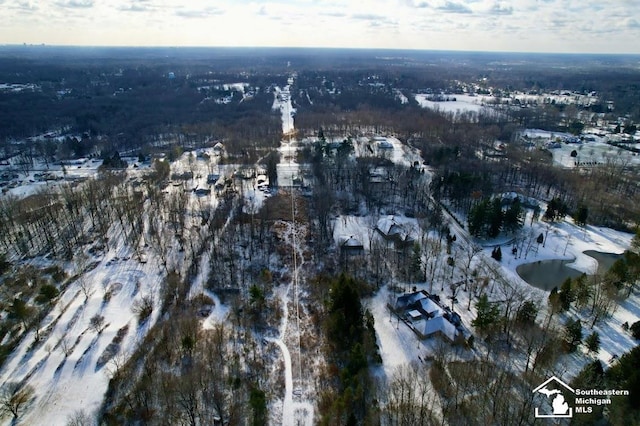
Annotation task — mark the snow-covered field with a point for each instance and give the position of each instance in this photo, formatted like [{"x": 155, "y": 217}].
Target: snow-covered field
[
  {"x": 70, "y": 366},
  {"x": 43, "y": 177},
  {"x": 593, "y": 152},
  {"x": 463, "y": 103}
]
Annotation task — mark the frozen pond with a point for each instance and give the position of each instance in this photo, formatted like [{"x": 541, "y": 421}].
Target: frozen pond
[
  {"x": 605, "y": 260},
  {"x": 547, "y": 274}
]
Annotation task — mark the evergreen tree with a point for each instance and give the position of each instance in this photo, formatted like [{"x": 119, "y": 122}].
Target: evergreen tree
[
  {"x": 345, "y": 315},
  {"x": 591, "y": 376},
  {"x": 593, "y": 342},
  {"x": 4, "y": 265},
  {"x": 573, "y": 334},
  {"x": 554, "y": 300},
  {"x": 258, "y": 404},
  {"x": 488, "y": 314},
  {"x": 635, "y": 330},
  {"x": 416, "y": 263},
  {"x": 527, "y": 313},
  {"x": 514, "y": 216},
  {"x": 567, "y": 295},
  {"x": 497, "y": 253},
  {"x": 625, "y": 374},
  {"x": 496, "y": 218},
  {"x": 556, "y": 209},
  {"x": 478, "y": 218},
  {"x": 635, "y": 242},
  {"x": 580, "y": 216}
]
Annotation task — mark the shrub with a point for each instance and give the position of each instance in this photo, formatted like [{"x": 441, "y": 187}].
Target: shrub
[
  {"x": 48, "y": 292},
  {"x": 143, "y": 308},
  {"x": 56, "y": 272},
  {"x": 96, "y": 323}
]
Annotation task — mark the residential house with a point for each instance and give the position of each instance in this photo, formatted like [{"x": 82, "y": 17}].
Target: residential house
[
  {"x": 424, "y": 314},
  {"x": 351, "y": 246},
  {"x": 438, "y": 326},
  {"x": 392, "y": 230}
]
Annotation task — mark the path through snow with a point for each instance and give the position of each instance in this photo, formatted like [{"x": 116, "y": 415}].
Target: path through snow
[{"x": 295, "y": 411}]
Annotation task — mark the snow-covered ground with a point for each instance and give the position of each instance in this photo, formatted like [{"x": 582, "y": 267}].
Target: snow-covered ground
[
  {"x": 592, "y": 152},
  {"x": 463, "y": 103},
  {"x": 70, "y": 367},
  {"x": 296, "y": 408},
  {"x": 402, "y": 154},
  {"x": 565, "y": 241},
  {"x": 282, "y": 102},
  {"x": 43, "y": 177},
  {"x": 290, "y": 172}
]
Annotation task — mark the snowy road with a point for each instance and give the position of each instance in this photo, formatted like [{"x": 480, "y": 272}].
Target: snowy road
[{"x": 282, "y": 102}]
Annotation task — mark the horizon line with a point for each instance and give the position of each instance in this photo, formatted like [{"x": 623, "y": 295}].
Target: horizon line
[{"x": 257, "y": 47}]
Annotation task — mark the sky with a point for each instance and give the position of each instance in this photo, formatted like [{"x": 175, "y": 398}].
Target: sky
[{"x": 572, "y": 26}]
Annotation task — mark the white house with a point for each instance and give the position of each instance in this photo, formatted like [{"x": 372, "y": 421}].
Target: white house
[{"x": 439, "y": 326}]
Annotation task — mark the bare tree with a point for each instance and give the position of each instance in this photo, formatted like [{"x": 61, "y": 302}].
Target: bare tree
[
  {"x": 116, "y": 365},
  {"x": 66, "y": 346},
  {"x": 408, "y": 397},
  {"x": 603, "y": 301},
  {"x": 86, "y": 287},
  {"x": 96, "y": 323},
  {"x": 14, "y": 397},
  {"x": 80, "y": 418}
]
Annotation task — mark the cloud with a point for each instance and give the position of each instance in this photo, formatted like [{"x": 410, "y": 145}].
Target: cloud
[
  {"x": 373, "y": 20},
  {"x": 501, "y": 9},
  {"x": 368, "y": 17},
  {"x": 452, "y": 7},
  {"x": 25, "y": 6},
  {"x": 76, "y": 4},
  {"x": 334, "y": 14},
  {"x": 198, "y": 13},
  {"x": 632, "y": 24},
  {"x": 135, "y": 7}
]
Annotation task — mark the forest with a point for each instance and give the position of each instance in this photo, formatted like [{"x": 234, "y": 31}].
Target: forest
[{"x": 182, "y": 280}]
